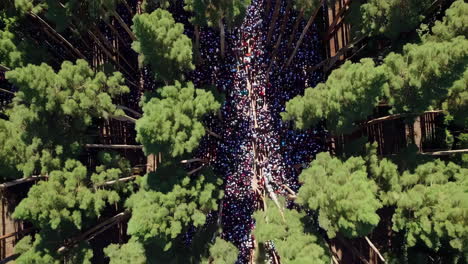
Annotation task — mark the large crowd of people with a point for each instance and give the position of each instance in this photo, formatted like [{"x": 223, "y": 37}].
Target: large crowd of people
[{"x": 259, "y": 155}]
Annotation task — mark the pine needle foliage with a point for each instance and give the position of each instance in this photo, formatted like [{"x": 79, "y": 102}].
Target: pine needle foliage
[
  {"x": 329, "y": 188},
  {"x": 392, "y": 17},
  {"x": 162, "y": 45},
  {"x": 161, "y": 216},
  {"x": 172, "y": 121},
  {"x": 51, "y": 112},
  {"x": 433, "y": 206},
  {"x": 131, "y": 252},
  {"x": 61, "y": 207},
  {"x": 425, "y": 76},
  {"x": 293, "y": 243}
]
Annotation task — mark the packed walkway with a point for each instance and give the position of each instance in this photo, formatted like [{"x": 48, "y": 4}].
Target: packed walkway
[{"x": 259, "y": 156}]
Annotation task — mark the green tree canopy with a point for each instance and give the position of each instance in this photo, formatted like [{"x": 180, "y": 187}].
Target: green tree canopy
[
  {"x": 432, "y": 206},
  {"x": 16, "y": 48},
  {"x": 385, "y": 173},
  {"x": 61, "y": 207},
  {"x": 222, "y": 252},
  {"x": 294, "y": 244},
  {"x": 10, "y": 56},
  {"x": 453, "y": 24},
  {"x": 43, "y": 250},
  {"x": 423, "y": 77},
  {"x": 392, "y": 17},
  {"x": 161, "y": 216},
  {"x": 430, "y": 201},
  {"x": 162, "y": 45},
  {"x": 67, "y": 198},
  {"x": 456, "y": 104},
  {"x": 131, "y": 252},
  {"x": 171, "y": 122},
  {"x": 329, "y": 187},
  {"x": 420, "y": 77},
  {"x": 349, "y": 94},
  {"x": 51, "y": 112}
]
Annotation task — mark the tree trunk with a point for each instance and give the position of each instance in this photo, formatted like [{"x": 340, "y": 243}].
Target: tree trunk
[
  {"x": 283, "y": 27},
  {"x": 299, "y": 42},
  {"x": 340, "y": 15},
  {"x": 195, "y": 170},
  {"x": 197, "y": 44},
  {"x": 107, "y": 183},
  {"x": 114, "y": 146},
  {"x": 21, "y": 181},
  {"x": 124, "y": 118},
  {"x": 124, "y": 25},
  {"x": 273, "y": 20},
  {"x": 375, "y": 249},
  {"x": 114, "y": 49},
  {"x": 396, "y": 116},
  {"x": 194, "y": 160},
  {"x": 296, "y": 26},
  {"x": 330, "y": 62},
  {"x": 4, "y": 68},
  {"x": 96, "y": 230},
  {"x": 352, "y": 249},
  {"x": 6, "y": 91},
  {"x": 52, "y": 31},
  {"x": 286, "y": 16},
  {"x": 268, "y": 5},
  {"x": 129, "y": 110},
  {"x": 108, "y": 53},
  {"x": 117, "y": 33},
  {"x": 213, "y": 133},
  {"x": 222, "y": 36}
]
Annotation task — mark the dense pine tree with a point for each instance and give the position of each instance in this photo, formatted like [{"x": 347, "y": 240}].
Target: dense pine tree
[
  {"x": 340, "y": 208},
  {"x": 288, "y": 234},
  {"x": 50, "y": 105},
  {"x": 162, "y": 45},
  {"x": 171, "y": 122}
]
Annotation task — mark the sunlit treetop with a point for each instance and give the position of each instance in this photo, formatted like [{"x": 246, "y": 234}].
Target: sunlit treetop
[
  {"x": 44, "y": 250},
  {"x": 67, "y": 198},
  {"x": 171, "y": 122},
  {"x": 456, "y": 104},
  {"x": 432, "y": 207},
  {"x": 420, "y": 77},
  {"x": 10, "y": 56},
  {"x": 17, "y": 48},
  {"x": 349, "y": 94},
  {"x": 51, "y": 112},
  {"x": 454, "y": 23},
  {"x": 161, "y": 216},
  {"x": 61, "y": 207},
  {"x": 162, "y": 44},
  {"x": 131, "y": 252},
  {"x": 294, "y": 244},
  {"x": 392, "y": 17},
  {"x": 329, "y": 187},
  {"x": 222, "y": 252}
]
